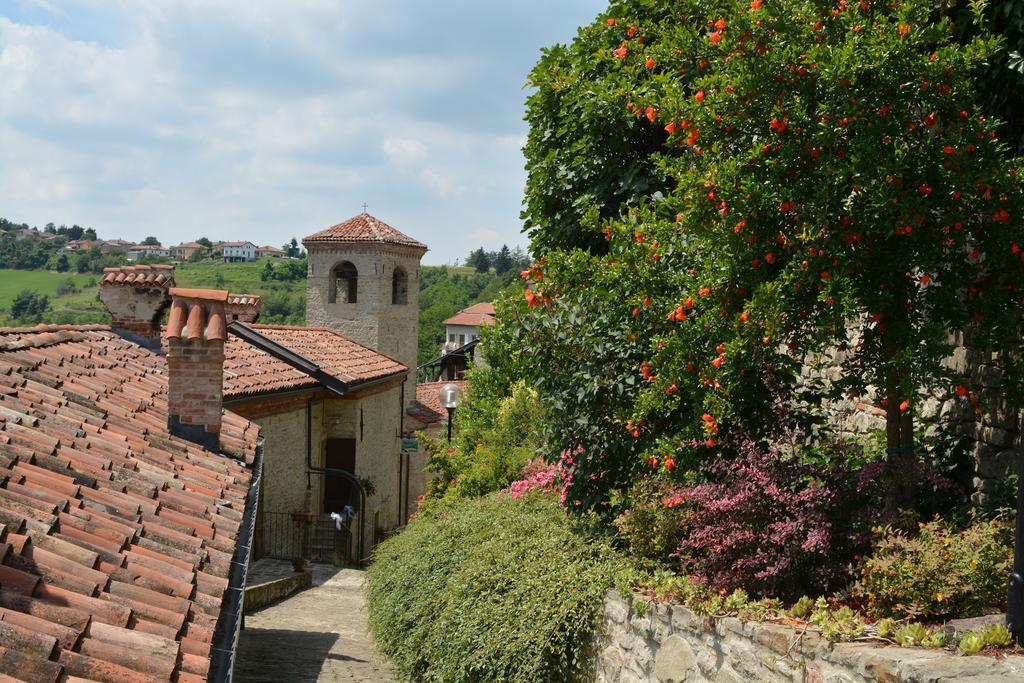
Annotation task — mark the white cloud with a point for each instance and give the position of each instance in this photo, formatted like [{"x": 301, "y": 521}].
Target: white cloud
[
  {"x": 404, "y": 151},
  {"x": 440, "y": 182},
  {"x": 485, "y": 237},
  {"x": 229, "y": 118}
]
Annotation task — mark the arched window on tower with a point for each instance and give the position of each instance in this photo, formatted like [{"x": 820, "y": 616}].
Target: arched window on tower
[
  {"x": 344, "y": 284},
  {"x": 399, "y": 287}
]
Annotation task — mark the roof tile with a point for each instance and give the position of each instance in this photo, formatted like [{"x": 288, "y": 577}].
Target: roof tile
[
  {"x": 26, "y": 666},
  {"x": 98, "y": 527},
  {"x": 250, "y": 371},
  {"x": 364, "y": 228}
]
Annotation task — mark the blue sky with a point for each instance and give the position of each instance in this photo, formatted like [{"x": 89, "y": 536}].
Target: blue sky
[{"x": 256, "y": 120}]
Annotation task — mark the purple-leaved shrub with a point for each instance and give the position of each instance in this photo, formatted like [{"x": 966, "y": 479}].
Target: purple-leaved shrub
[{"x": 771, "y": 525}]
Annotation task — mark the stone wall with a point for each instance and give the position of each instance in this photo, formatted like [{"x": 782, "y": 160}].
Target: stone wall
[
  {"x": 373, "y": 419},
  {"x": 669, "y": 643},
  {"x": 373, "y": 321},
  {"x": 284, "y": 461},
  {"x": 993, "y": 436}
]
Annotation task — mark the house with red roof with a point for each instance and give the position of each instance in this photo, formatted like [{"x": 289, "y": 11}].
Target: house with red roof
[
  {"x": 464, "y": 326},
  {"x": 143, "y": 463}
]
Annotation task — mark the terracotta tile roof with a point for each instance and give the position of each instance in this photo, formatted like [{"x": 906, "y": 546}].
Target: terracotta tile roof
[
  {"x": 249, "y": 371},
  {"x": 143, "y": 277},
  {"x": 364, "y": 228},
  {"x": 197, "y": 314},
  {"x": 116, "y": 538},
  {"x": 427, "y": 408},
  {"x": 474, "y": 316}
]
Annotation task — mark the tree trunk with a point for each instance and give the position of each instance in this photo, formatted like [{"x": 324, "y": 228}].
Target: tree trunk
[
  {"x": 899, "y": 424},
  {"x": 899, "y": 431}
]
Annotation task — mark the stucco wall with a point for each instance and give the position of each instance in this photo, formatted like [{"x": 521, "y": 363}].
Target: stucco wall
[
  {"x": 391, "y": 329},
  {"x": 669, "y": 643}
]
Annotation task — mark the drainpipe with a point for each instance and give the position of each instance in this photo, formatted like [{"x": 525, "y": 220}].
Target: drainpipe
[{"x": 331, "y": 472}]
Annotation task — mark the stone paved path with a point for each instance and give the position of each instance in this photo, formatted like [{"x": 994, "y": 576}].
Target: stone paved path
[{"x": 319, "y": 634}]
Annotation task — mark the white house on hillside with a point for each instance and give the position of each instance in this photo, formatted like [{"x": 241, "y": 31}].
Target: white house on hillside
[
  {"x": 464, "y": 326},
  {"x": 236, "y": 252}
]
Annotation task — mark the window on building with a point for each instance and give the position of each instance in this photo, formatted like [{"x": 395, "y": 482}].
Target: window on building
[
  {"x": 462, "y": 339},
  {"x": 399, "y": 287},
  {"x": 344, "y": 284},
  {"x": 451, "y": 337}
]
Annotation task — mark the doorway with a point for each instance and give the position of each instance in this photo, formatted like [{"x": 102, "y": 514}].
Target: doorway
[{"x": 340, "y": 454}]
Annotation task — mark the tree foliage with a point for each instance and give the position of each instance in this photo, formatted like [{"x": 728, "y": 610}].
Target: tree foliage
[
  {"x": 29, "y": 306},
  {"x": 826, "y": 180}
]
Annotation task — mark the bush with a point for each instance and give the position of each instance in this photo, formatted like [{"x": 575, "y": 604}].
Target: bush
[
  {"x": 497, "y": 435},
  {"x": 937, "y": 572},
  {"x": 651, "y": 528},
  {"x": 771, "y": 525},
  {"x": 29, "y": 306},
  {"x": 495, "y": 589},
  {"x": 67, "y": 286}
]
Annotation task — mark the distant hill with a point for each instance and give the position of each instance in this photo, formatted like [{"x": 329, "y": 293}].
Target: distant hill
[{"x": 74, "y": 298}]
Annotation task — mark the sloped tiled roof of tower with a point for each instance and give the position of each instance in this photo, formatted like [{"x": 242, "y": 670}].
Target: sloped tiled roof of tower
[
  {"x": 364, "y": 228},
  {"x": 116, "y": 538}
]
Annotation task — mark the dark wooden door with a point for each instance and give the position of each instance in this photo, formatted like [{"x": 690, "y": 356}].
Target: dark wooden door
[{"x": 339, "y": 491}]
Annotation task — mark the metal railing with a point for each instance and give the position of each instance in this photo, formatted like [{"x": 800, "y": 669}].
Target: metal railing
[{"x": 293, "y": 536}]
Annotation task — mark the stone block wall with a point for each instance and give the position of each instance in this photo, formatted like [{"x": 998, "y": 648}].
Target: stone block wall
[
  {"x": 671, "y": 644},
  {"x": 993, "y": 436},
  {"x": 373, "y": 321}
]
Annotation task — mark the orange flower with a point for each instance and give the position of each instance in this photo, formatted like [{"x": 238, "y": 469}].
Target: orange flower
[
  {"x": 650, "y": 63},
  {"x": 671, "y": 128},
  {"x": 903, "y": 30},
  {"x": 699, "y": 96},
  {"x": 611, "y": 22},
  {"x": 755, "y": 5},
  {"x": 715, "y": 37}
]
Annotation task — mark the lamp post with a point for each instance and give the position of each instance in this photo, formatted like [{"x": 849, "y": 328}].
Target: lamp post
[{"x": 451, "y": 397}]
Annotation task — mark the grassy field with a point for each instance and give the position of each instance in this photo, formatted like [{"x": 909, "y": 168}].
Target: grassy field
[
  {"x": 43, "y": 282},
  {"x": 444, "y": 290}
]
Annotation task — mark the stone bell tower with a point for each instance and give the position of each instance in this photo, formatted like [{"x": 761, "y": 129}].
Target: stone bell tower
[{"x": 364, "y": 281}]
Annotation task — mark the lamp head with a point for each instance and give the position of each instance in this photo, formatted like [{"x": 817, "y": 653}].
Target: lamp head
[{"x": 451, "y": 396}]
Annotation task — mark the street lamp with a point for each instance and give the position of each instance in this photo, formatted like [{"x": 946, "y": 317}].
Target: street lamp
[{"x": 451, "y": 397}]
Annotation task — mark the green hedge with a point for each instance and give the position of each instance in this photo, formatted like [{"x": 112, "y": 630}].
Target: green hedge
[{"x": 492, "y": 589}]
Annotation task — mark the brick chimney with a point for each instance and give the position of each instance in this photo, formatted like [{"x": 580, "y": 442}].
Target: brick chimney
[
  {"x": 196, "y": 332},
  {"x": 136, "y": 297},
  {"x": 243, "y": 307}
]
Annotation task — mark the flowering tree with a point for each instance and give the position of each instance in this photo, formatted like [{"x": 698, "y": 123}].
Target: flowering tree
[{"x": 831, "y": 184}]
